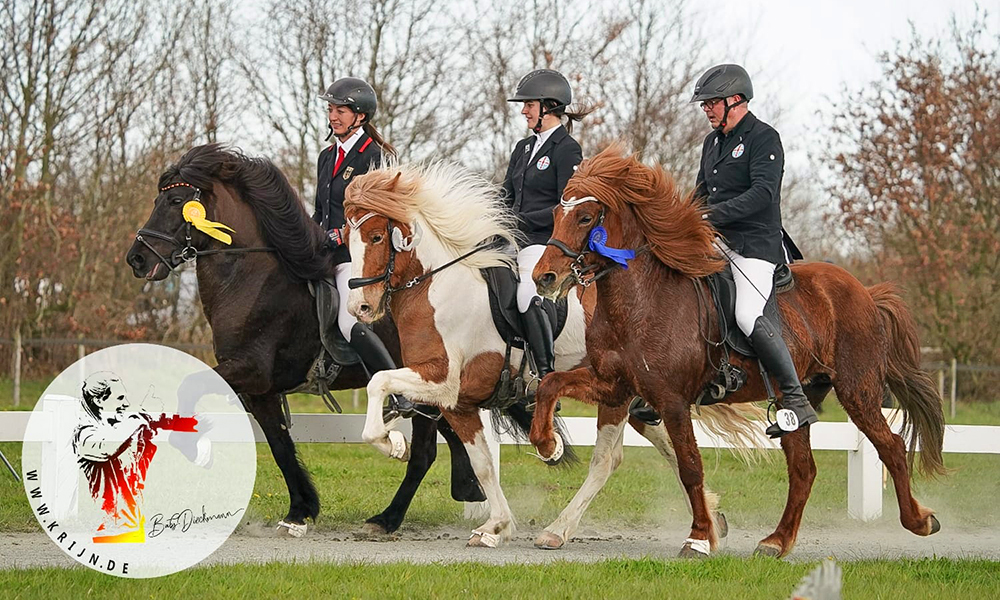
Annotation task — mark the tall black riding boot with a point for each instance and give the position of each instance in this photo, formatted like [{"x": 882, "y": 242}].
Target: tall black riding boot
[
  {"x": 774, "y": 356},
  {"x": 376, "y": 358},
  {"x": 538, "y": 330}
]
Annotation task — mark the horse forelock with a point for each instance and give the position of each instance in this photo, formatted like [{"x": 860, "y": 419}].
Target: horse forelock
[
  {"x": 460, "y": 209},
  {"x": 671, "y": 222},
  {"x": 280, "y": 215}
]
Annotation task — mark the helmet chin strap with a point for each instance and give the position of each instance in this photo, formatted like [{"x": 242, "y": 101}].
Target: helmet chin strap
[
  {"x": 542, "y": 111},
  {"x": 725, "y": 112}
]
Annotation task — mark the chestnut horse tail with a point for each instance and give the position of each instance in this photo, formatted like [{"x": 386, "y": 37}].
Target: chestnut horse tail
[{"x": 912, "y": 386}]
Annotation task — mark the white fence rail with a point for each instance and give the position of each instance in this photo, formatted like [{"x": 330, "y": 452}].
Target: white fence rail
[{"x": 864, "y": 470}]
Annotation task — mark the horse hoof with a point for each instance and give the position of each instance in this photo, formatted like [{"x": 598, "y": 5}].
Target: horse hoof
[
  {"x": 549, "y": 541},
  {"x": 721, "y": 524},
  {"x": 767, "y": 550},
  {"x": 695, "y": 549},
  {"x": 290, "y": 529},
  {"x": 483, "y": 539},
  {"x": 373, "y": 530},
  {"x": 400, "y": 449},
  {"x": 935, "y": 525},
  {"x": 557, "y": 453}
]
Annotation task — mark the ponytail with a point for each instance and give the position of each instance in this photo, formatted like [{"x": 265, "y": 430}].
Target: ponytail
[
  {"x": 385, "y": 146},
  {"x": 571, "y": 116}
]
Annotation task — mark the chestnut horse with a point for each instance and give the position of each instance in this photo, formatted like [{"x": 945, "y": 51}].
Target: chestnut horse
[
  {"x": 265, "y": 330},
  {"x": 650, "y": 327},
  {"x": 416, "y": 237}
]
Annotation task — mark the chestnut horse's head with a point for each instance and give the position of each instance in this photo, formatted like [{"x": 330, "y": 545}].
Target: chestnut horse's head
[
  {"x": 613, "y": 207},
  {"x": 382, "y": 261}
]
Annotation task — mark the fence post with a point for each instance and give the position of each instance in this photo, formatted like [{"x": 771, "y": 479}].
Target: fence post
[
  {"x": 17, "y": 366},
  {"x": 864, "y": 481},
  {"x": 954, "y": 384},
  {"x": 941, "y": 384},
  {"x": 481, "y": 510}
]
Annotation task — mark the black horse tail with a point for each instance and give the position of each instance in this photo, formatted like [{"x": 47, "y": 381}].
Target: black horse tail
[
  {"x": 914, "y": 389},
  {"x": 515, "y": 420}
]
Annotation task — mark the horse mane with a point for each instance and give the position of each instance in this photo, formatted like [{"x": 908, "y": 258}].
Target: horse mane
[
  {"x": 461, "y": 209},
  {"x": 672, "y": 223},
  {"x": 281, "y": 216}
]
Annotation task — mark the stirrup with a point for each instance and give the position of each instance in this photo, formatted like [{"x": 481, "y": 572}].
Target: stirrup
[
  {"x": 640, "y": 409},
  {"x": 393, "y": 411}
]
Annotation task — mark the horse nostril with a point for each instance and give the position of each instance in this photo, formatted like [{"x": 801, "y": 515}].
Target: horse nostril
[
  {"x": 136, "y": 260},
  {"x": 364, "y": 309},
  {"x": 547, "y": 279}
]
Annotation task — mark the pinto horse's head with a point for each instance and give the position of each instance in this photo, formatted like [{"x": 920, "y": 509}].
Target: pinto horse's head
[{"x": 382, "y": 261}]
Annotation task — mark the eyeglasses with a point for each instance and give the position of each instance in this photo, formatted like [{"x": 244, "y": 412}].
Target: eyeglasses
[{"x": 710, "y": 104}]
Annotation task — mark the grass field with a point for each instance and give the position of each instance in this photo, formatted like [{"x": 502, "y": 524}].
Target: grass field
[
  {"x": 355, "y": 482},
  {"x": 723, "y": 577}
]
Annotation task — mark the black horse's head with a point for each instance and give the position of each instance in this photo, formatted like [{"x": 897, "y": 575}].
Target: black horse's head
[{"x": 168, "y": 238}]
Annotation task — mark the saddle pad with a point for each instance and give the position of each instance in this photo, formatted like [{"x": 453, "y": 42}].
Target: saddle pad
[
  {"x": 723, "y": 288},
  {"x": 327, "y": 306}
]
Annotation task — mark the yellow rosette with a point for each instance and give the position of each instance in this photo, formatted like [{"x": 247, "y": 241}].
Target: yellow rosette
[{"x": 194, "y": 213}]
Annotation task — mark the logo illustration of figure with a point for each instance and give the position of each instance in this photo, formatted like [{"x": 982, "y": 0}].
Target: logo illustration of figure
[{"x": 114, "y": 449}]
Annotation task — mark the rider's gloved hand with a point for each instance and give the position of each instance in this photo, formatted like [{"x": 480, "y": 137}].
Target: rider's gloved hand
[{"x": 335, "y": 238}]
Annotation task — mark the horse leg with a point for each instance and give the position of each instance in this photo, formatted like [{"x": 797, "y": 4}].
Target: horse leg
[
  {"x": 469, "y": 428},
  {"x": 423, "y": 453},
  {"x": 464, "y": 485},
  {"x": 658, "y": 436},
  {"x": 863, "y": 405},
  {"x": 582, "y": 384},
  {"x": 303, "y": 499},
  {"x": 801, "y": 473},
  {"x": 407, "y": 382},
  {"x": 606, "y": 458},
  {"x": 677, "y": 418}
]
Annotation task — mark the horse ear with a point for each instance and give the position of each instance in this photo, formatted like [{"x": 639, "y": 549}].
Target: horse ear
[{"x": 395, "y": 180}]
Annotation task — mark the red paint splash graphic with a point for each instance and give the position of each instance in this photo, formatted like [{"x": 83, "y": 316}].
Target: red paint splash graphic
[{"x": 115, "y": 459}]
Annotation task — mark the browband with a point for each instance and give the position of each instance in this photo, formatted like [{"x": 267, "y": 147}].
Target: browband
[{"x": 574, "y": 201}]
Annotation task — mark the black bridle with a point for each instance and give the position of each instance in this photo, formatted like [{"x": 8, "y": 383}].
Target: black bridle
[
  {"x": 579, "y": 269},
  {"x": 185, "y": 252},
  {"x": 386, "y": 276}
]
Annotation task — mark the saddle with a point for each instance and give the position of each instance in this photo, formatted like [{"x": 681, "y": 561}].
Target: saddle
[
  {"x": 723, "y": 288},
  {"x": 502, "y": 283},
  {"x": 730, "y": 378},
  {"x": 512, "y": 386},
  {"x": 327, "y": 307}
]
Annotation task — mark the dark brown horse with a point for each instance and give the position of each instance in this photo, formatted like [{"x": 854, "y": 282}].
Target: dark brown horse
[
  {"x": 649, "y": 329},
  {"x": 265, "y": 330}
]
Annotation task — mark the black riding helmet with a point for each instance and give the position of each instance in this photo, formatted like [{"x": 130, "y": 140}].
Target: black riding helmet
[
  {"x": 723, "y": 81},
  {"x": 548, "y": 87},
  {"x": 353, "y": 93}
]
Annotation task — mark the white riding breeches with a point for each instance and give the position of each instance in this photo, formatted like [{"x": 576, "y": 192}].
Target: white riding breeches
[
  {"x": 527, "y": 258},
  {"x": 754, "y": 280},
  {"x": 345, "y": 320}
]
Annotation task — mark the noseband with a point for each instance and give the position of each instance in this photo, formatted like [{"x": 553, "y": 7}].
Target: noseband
[
  {"x": 185, "y": 252},
  {"x": 580, "y": 270}
]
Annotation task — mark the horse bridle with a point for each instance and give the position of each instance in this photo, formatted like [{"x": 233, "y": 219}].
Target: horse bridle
[
  {"x": 186, "y": 252},
  {"x": 580, "y": 270},
  {"x": 386, "y": 275}
]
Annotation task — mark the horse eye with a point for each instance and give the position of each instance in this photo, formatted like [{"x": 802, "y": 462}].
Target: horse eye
[
  {"x": 586, "y": 219},
  {"x": 377, "y": 239},
  {"x": 176, "y": 200}
]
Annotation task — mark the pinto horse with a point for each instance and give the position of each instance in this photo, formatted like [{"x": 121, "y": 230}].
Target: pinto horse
[
  {"x": 651, "y": 323},
  {"x": 265, "y": 330},
  {"x": 417, "y": 246}
]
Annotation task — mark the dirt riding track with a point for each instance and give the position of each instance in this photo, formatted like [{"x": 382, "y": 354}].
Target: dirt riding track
[{"x": 882, "y": 540}]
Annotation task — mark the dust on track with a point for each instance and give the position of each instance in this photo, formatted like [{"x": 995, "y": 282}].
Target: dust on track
[{"x": 447, "y": 545}]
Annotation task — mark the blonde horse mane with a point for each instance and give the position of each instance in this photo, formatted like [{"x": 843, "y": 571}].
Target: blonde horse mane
[
  {"x": 461, "y": 209},
  {"x": 672, "y": 223}
]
